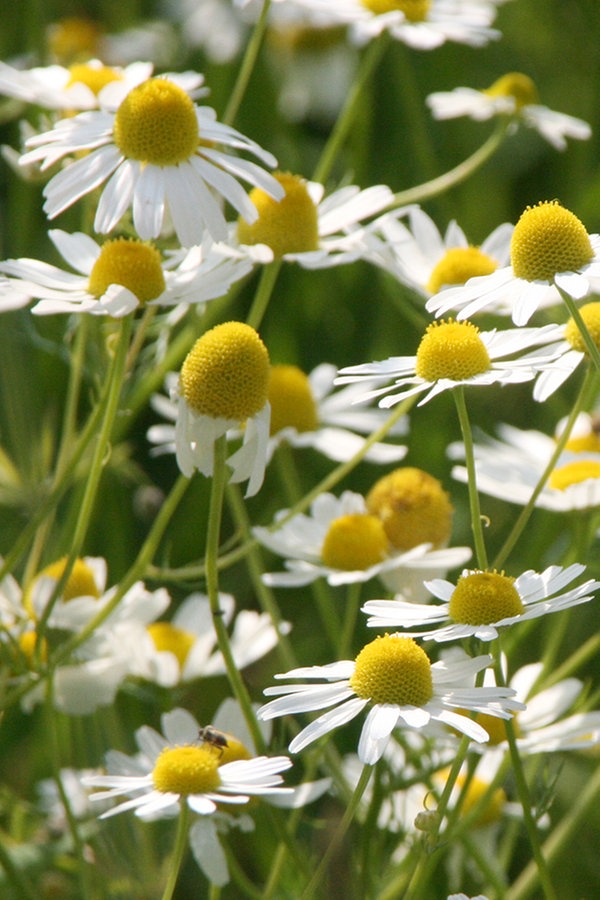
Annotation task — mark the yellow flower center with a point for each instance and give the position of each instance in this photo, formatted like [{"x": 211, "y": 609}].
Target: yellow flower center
[
  {"x": 585, "y": 443},
  {"x": 134, "y": 264},
  {"x": 590, "y": 313},
  {"x": 291, "y": 399},
  {"x": 413, "y": 507},
  {"x": 156, "y": 123},
  {"x": 353, "y": 542},
  {"x": 167, "y": 637},
  {"x": 481, "y": 598},
  {"x": 226, "y": 373},
  {"x": 451, "y": 350},
  {"x": 73, "y": 38},
  {"x": 414, "y": 10},
  {"x": 477, "y": 788},
  {"x": 232, "y": 750},
  {"x": 94, "y": 77},
  {"x": 28, "y": 646},
  {"x": 288, "y": 225},
  {"x": 393, "y": 669},
  {"x": 548, "y": 239},
  {"x": 458, "y": 265},
  {"x": 187, "y": 770},
  {"x": 80, "y": 583},
  {"x": 516, "y": 85},
  {"x": 574, "y": 473},
  {"x": 496, "y": 727}
]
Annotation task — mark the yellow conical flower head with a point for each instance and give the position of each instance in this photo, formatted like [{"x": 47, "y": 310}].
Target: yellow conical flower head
[
  {"x": 288, "y": 225},
  {"x": 414, "y": 10},
  {"x": 94, "y": 77},
  {"x": 413, "y": 507},
  {"x": 226, "y": 373},
  {"x": 189, "y": 769},
  {"x": 394, "y": 670},
  {"x": 481, "y": 598},
  {"x": 516, "y": 85},
  {"x": 548, "y": 239},
  {"x": 355, "y": 541},
  {"x": 167, "y": 637},
  {"x": 292, "y": 401},
  {"x": 458, "y": 265},
  {"x": 590, "y": 313},
  {"x": 134, "y": 264},
  {"x": 451, "y": 350}
]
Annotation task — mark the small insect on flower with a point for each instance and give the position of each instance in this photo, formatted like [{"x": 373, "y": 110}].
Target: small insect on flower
[{"x": 210, "y": 735}]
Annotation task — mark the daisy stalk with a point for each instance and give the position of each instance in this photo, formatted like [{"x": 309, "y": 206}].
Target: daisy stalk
[
  {"x": 476, "y": 519},
  {"x": 179, "y": 851},
  {"x": 247, "y": 65}
]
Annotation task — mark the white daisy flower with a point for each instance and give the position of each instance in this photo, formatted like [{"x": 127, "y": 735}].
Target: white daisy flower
[
  {"x": 77, "y": 87},
  {"x": 480, "y": 603},
  {"x": 570, "y": 351},
  {"x": 223, "y": 384},
  {"x": 515, "y": 95},
  {"x": 419, "y": 256},
  {"x": 394, "y": 677},
  {"x": 346, "y": 544},
  {"x": 118, "y": 276},
  {"x": 305, "y": 412},
  {"x": 509, "y": 467},
  {"x": 185, "y": 648},
  {"x": 179, "y": 768},
  {"x": 457, "y": 353},
  {"x": 158, "y": 153},
  {"x": 550, "y": 251},
  {"x": 544, "y": 726},
  {"x": 305, "y": 227},
  {"x": 421, "y": 24}
]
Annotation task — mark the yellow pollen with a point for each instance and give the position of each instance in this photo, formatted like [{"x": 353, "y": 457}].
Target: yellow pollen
[
  {"x": 496, "y": 727},
  {"x": 187, "y": 770},
  {"x": 452, "y": 350},
  {"x": 393, "y": 669},
  {"x": 28, "y": 646},
  {"x": 574, "y": 473},
  {"x": 288, "y": 225},
  {"x": 291, "y": 399},
  {"x": 477, "y": 788},
  {"x": 585, "y": 443},
  {"x": 413, "y": 507},
  {"x": 156, "y": 123},
  {"x": 353, "y": 542},
  {"x": 73, "y": 38},
  {"x": 481, "y": 598},
  {"x": 414, "y": 10},
  {"x": 226, "y": 373},
  {"x": 94, "y": 77},
  {"x": 516, "y": 85},
  {"x": 167, "y": 637},
  {"x": 80, "y": 583},
  {"x": 590, "y": 313},
  {"x": 233, "y": 751},
  {"x": 458, "y": 265},
  {"x": 547, "y": 240},
  {"x": 133, "y": 264}
]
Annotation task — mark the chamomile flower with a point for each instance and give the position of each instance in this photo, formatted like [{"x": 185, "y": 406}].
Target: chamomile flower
[
  {"x": 571, "y": 351},
  {"x": 345, "y": 543},
  {"x": 178, "y": 769},
  {"x": 419, "y": 256},
  {"x": 223, "y": 384},
  {"x": 509, "y": 467},
  {"x": 185, "y": 647},
  {"x": 80, "y": 86},
  {"x": 305, "y": 227},
  {"x": 306, "y": 411},
  {"x": 550, "y": 252},
  {"x": 421, "y": 24},
  {"x": 544, "y": 726},
  {"x": 118, "y": 276},
  {"x": 514, "y": 95},
  {"x": 395, "y": 679},
  {"x": 157, "y": 154},
  {"x": 481, "y": 603},
  {"x": 457, "y": 353}
]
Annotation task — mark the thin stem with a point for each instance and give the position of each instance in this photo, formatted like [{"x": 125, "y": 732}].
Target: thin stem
[
  {"x": 351, "y": 606},
  {"x": 476, "y": 519},
  {"x": 268, "y": 277},
  {"x": 370, "y": 60},
  {"x": 341, "y": 830},
  {"x": 181, "y": 843},
  {"x": 219, "y": 480},
  {"x": 527, "y": 510},
  {"x": 247, "y": 66}
]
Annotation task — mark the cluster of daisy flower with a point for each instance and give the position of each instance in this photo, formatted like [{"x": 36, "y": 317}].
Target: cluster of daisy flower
[{"x": 173, "y": 246}]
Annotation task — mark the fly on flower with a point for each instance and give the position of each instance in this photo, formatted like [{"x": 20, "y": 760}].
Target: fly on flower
[{"x": 209, "y": 735}]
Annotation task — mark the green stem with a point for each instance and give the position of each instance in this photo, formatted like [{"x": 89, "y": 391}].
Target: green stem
[
  {"x": 458, "y": 174},
  {"x": 370, "y": 60},
  {"x": 181, "y": 843},
  {"x": 592, "y": 349},
  {"x": 219, "y": 480},
  {"x": 268, "y": 277},
  {"x": 523, "y": 790},
  {"x": 247, "y": 66},
  {"x": 341, "y": 830},
  {"x": 476, "y": 519},
  {"x": 527, "y": 510},
  {"x": 351, "y": 604}
]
